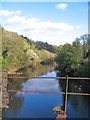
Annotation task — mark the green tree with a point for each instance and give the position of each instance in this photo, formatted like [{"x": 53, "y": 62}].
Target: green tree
[
  {"x": 84, "y": 69},
  {"x": 3, "y": 62},
  {"x": 70, "y": 58},
  {"x": 84, "y": 41}
]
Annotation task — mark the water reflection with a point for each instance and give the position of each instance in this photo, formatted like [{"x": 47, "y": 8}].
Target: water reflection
[
  {"x": 35, "y": 105},
  {"x": 40, "y": 70},
  {"x": 41, "y": 84},
  {"x": 16, "y": 103},
  {"x": 77, "y": 106},
  {"x": 28, "y": 105}
]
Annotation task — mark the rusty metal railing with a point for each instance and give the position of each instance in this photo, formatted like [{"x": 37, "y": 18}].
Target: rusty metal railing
[{"x": 46, "y": 92}]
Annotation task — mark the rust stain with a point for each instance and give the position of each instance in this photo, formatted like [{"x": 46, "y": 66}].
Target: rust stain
[{"x": 61, "y": 117}]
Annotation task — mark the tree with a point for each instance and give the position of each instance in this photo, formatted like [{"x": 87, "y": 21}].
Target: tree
[
  {"x": 70, "y": 58},
  {"x": 84, "y": 40},
  {"x": 3, "y": 62}
]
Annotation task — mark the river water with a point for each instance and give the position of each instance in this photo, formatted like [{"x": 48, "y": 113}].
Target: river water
[{"x": 35, "y": 105}]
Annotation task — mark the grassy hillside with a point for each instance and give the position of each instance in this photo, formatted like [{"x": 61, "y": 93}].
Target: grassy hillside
[{"x": 19, "y": 52}]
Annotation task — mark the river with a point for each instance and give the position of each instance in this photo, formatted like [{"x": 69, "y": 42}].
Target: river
[{"x": 35, "y": 105}]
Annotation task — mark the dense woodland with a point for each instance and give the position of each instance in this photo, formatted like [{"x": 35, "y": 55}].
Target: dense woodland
[
  {"x": 20, "y": 52},
  {"x": 74, "y": 59}
]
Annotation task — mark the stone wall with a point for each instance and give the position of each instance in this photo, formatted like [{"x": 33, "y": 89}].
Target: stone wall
[{"x": 4, "y": 95}]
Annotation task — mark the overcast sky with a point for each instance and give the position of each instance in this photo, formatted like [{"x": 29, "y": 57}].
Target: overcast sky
[{"x": 53, "y": 22}]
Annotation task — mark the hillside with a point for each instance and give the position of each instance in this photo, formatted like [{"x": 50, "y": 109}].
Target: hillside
[{"x": 19, "y": 52}]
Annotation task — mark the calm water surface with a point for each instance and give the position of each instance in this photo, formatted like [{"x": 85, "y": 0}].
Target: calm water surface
[{"x": 31, "y": 105}]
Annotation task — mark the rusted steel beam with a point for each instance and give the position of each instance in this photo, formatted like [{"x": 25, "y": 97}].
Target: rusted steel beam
[
  {"x": 40, "y": 92},
  {"x": 85, "y": 94},
  {"x": 69, "y": 78},
  {"x": 66, "y": 90},
  {"x": 46, "y": 92},
  {"x": 78, "y": 78},
  {"x": 37, "y": 77}
]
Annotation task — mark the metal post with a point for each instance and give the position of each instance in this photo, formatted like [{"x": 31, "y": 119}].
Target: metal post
[{"x": 65, "y": 98}]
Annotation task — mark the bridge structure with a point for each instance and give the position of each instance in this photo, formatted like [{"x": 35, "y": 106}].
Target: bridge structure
[{"x": 61, "y": 112}]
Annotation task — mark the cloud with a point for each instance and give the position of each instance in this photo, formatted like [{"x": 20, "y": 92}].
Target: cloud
[
  {"x": 37, "y": 24},
  {"x": 40, "y": 85},
  {"x": 78, "y": 26},
  {"x": 62, "y": 6},
  {"x": 35, "y": 28},
  {"x": 16, "y": 19},
  {"x": 8, "y": 13}
]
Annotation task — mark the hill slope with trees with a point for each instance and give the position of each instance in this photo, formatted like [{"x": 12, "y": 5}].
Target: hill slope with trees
[{"x": 19, "y": 52}]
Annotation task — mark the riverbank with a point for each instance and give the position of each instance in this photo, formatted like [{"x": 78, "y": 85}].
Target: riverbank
[{"x": 4, "y": 94}]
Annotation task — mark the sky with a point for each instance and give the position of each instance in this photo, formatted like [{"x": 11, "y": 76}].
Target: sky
[{"x": 54, "y": 22}]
